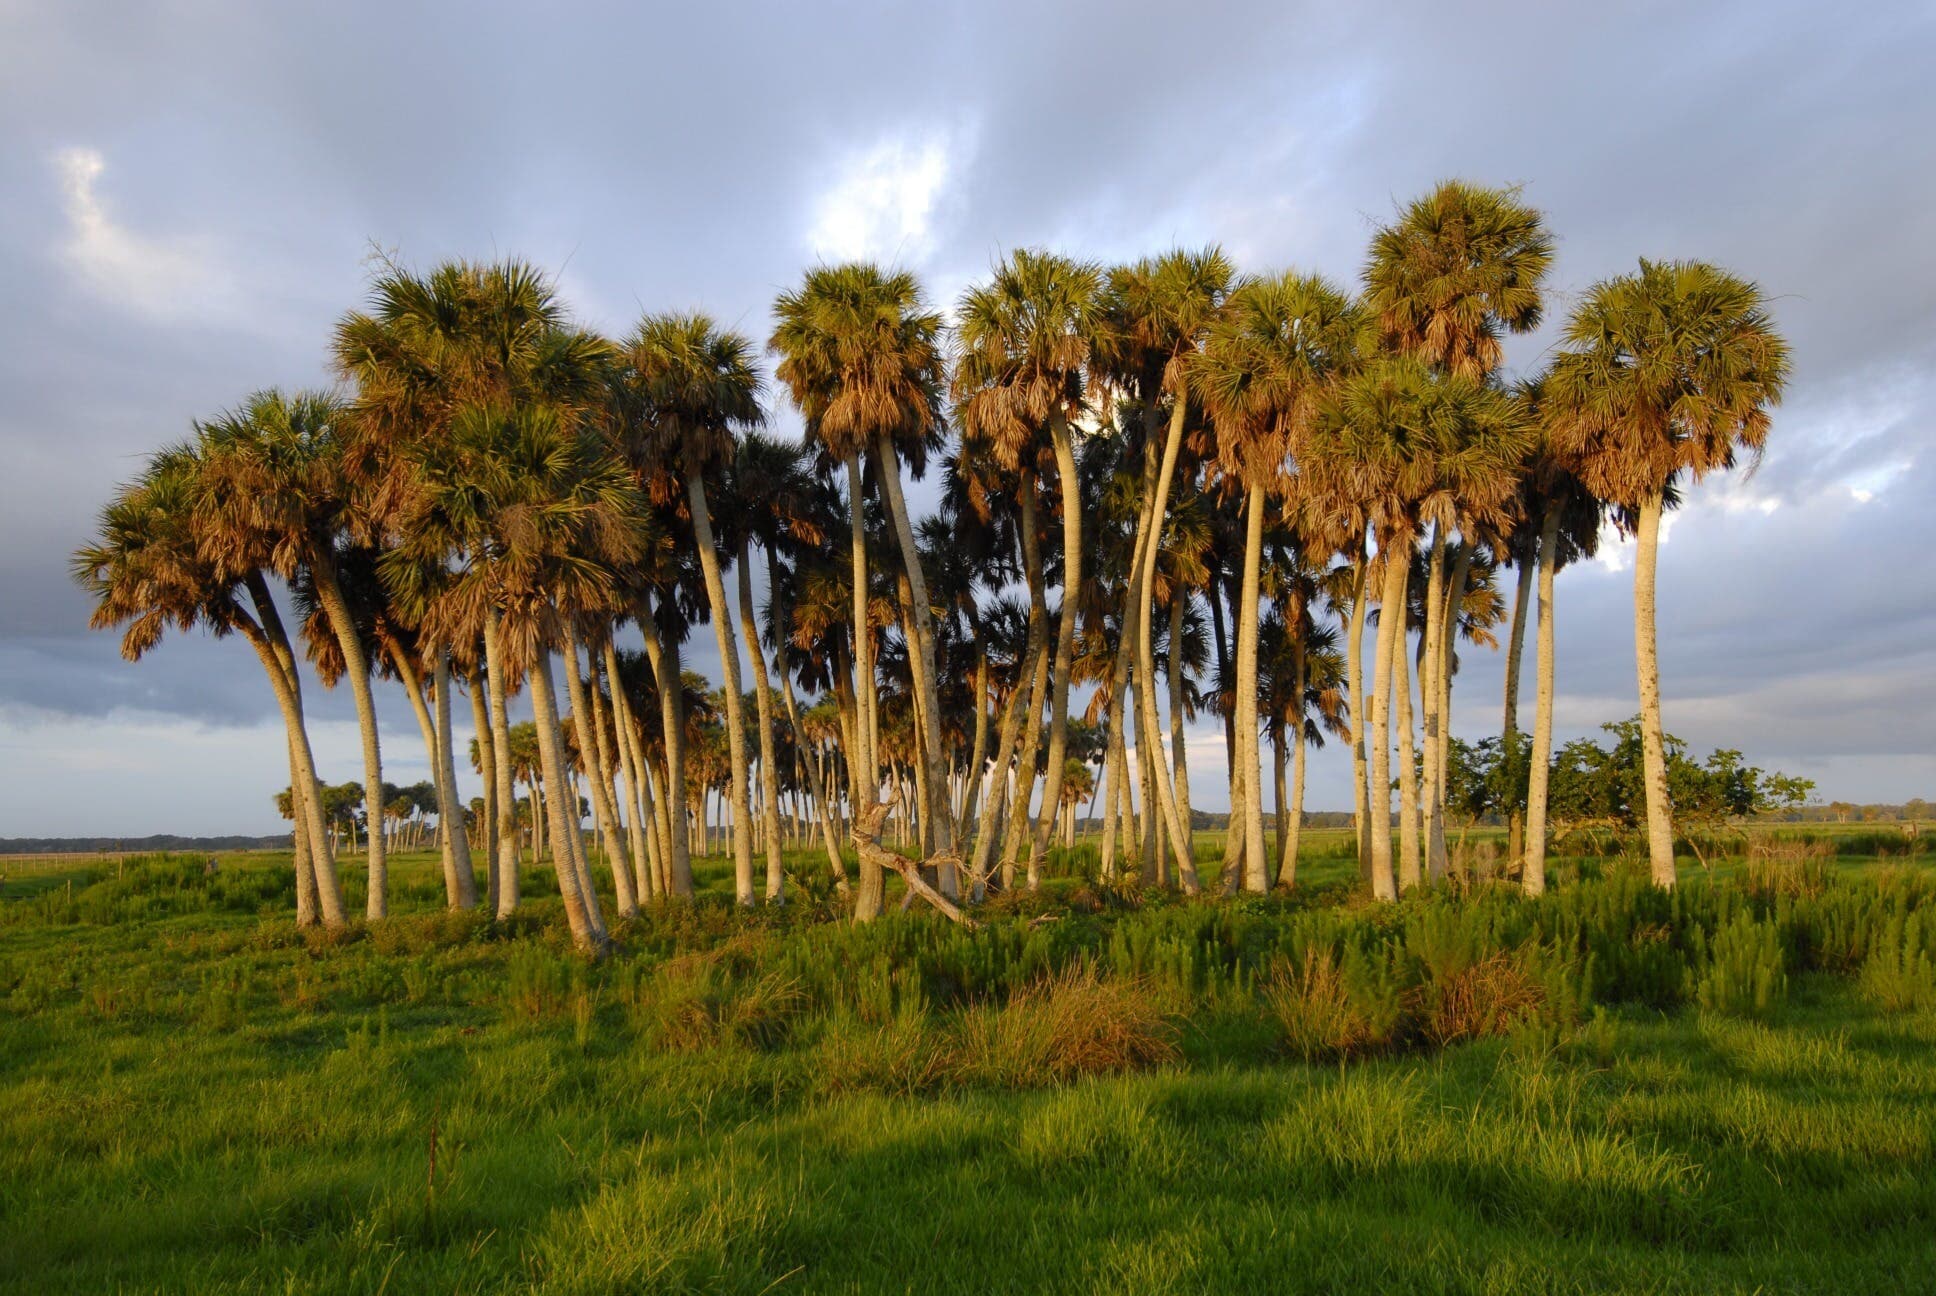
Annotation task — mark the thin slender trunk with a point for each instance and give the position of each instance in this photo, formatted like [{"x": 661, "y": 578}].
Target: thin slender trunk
[
  {"x": 702, "y": 525},
  {"x": 1533, "y": 875},
  {"x": 1653, "y": 749},
  {"x": 611, "y": 779},
  {"x": 1354, "y": 665},
  {"x": 1065, "y": 641},
  {"x": 507, "y": 807},
  {"x": 664, "y": 660},
  {"x": 487, "y": 770},
  {"x": 937, "y": 820},
  {"x": 1410, "y": 873},
  {"x": 413, "y": 685},
  {"x": 1165, "y": 804},
  {"x": 1179, "y": 746},
  {"x": 1436, "y": 858},
  {"x": 978, "y": 750},
  {"x": 1256, "y": 870},
  {"x": 1025, "y": 765},
  {"x": 356, "y": 666},
  {"x": 1516, "y": 644},
  {"x": 644, "y": 833},
  {"x": 1114, "y": 766},
  {"x": 1287, "y": 861},
  {"x": 1391, "y": 616},
  {"x": 329, "y": 896},
  {"x": 584, "y": 719},
  {"x": 868, "y": 766},
  {"x": 763, "y": 702},
  {"x": 1280, "y": 798},
  {"x": 1431, "y": 659},
  {"x": 581, "y": 903},
  {"x": 450, "y": 805}
]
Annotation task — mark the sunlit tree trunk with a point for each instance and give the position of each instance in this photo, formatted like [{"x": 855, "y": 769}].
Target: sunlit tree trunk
[
  {"x": 763, "y": 702},
  {"x": 507, "y": 806},
  {"x": 663, "y": 657},
  {"x": 702, "y": 527},
  {"x": 1249, "y": 760},
  {"x": 1287, "y": 862},
  {"x": 1660, "y": 811},
  {"x": 932, "y": 753},
  {"x": 1179, "y": 747},
  {"x": 1391, "y": 618},
  {"x": 865, "y": 693},
  {"x": 1065, "y": 641},
  {"x": 1515, "y": 652},
  {"x": 1431, "y": 659},
  {"x": 356, "y": 666},
  {"x": 1409, "y": 872},
  {"x": 487, "y": 771},
  {"x": 1354, "y": 665},
  {"x": 1164, "y": 805},
  {"x": 1437, "y": 862},
  {"x": 584, "y": 719},
  {"x": 329, "y": 896},
  {"x": 1025, "y": 765},
  {"x": 1533, "y": 875},
  {"x": 581, "y": 903}
]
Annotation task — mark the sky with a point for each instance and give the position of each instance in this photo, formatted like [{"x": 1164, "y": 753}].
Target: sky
[{"x": 193, "y": 193}]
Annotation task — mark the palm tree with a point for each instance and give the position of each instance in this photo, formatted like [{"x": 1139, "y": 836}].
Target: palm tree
[
  {"x": 861, "y": 355},
  {"x": 1462, "y": 266},
  {"x": 147, "y": 570},
  {"x": 699, "y": 388},
  {"x": 1260, "y": 376},
  {"x": 1025, "y": 343},
  {"x": 1153, "y": 316},
  {"x": 1664, "y": 373}
]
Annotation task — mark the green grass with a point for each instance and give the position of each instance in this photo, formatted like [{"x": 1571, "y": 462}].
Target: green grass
[{"x": 1086, "y": 1096}]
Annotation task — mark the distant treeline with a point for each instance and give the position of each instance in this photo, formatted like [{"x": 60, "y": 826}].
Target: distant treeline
[{"x": 158, "y": 842}]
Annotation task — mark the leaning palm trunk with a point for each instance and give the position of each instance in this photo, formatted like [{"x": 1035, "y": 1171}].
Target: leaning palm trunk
[
  {"x": 1515, "y": 651},
  {"x": 1409, "y": 873},
  {"x": 506, "y": 877},
  {"x": 450, "y": 806},
  {"x": 1455, "y": 587},
  {"x": 1028, "y": 682},
  {"x": 1165, "y": 803},
  {"x": 921, "y": 660},
  {"x": 1125, "y": 649},
  {"x": 664, "y": 660},
  {"x": 1391, "y": 616},
  {"x": 644, "y": 831},
  {"x": 867, "y": 765},
  {"x": 487, "y": 768},
  {"x": 763, "y": 704},
  {"x": 413, "y": 686},
  {"x": 1024, "y": 790},
  {"x": 1354, "y": 662},
  {"x": 1431, "y": 661},
  {"x": 1256, "y": 873},
  {"x": 581, "y": 903},
  {"x": 584, "y": 720},
  {"x": 977, "y": 752},
  {"x": 1065, "y": 643},
  {"x": 329, "y": 895},
  {"x": 1660, "y": 812},
  {"x": 1114, "y": 768},
  {"x": 330, "y": 593},
  {"x": 1281, "y": 798},
  {"x": 616, "y": 774},
  {"x": 702, "y": 525},
  {"x": 1533, "y": 874},
  {"x": 1179, "y": 749}
]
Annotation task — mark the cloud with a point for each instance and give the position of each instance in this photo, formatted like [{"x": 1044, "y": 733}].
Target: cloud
[
  {"x": 884, "y": 198},
  {"x": 162, "y": 280}
]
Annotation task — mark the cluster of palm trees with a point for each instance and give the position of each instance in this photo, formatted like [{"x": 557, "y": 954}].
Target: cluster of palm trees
[{"x": 1225, "y": 480}]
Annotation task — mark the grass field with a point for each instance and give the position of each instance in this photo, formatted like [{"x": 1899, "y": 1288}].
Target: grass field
[{"x": 1731, "y": 1091}]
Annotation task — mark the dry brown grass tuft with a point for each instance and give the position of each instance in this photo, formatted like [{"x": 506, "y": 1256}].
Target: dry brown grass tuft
[
  {"x": 1492, "y": 997},
  {"x": 1074, "y": 1024}
]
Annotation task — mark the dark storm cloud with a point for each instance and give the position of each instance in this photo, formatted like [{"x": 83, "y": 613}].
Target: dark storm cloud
[{"x": 191, "y": 191}]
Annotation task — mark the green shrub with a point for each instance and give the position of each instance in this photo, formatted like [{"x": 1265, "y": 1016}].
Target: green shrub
[
  {"x": 1900, "y": 973},
  {"x": 1745, "y": 973}
]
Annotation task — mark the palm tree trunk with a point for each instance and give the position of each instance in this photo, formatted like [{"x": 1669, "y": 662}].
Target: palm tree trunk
[
  {"x": 1437, "y": 861},
  {"x": 1280, "y": 797},
  {"x": 329, "y": 896},
  {"x": 321, "y": 855},
  {"x": 413, "y": 685},
  {"x": 1533, "y": 875},
  {"x": 1030, "y": 737},
  {"x": 581, "y": 903},
  {"x": 1165, "y": 800},
  {"x": 638, "y": 800},
  {"x": 487, "y": 770},
  {"x": 506, "y": 878},
  {"x": 615, "y": 778},
  {"x": 1256, "y": 872},
  {"x": 330, "y": 594},
  {"x": 1660, "y": 812},
  {"x": 921, "y": 659},
  {"x": 1179, "y": 746},
  {"x": 584, "y": 719},
  {"x": 450, "y": 805},
  {"x": 763, "y": 701},
  {"x": 1287, "y": 861},
  {"x": 978, "y": 749},
  {"x": 1354, "y": 664},
  {"x": 1391, "y": 616},
  {"x": 1114, "y": 764},
  {"x": 664, "y": 660},
  {"x": 1431, "y": 659},
  {"x": 1409, "y": 872},
  {"x": 1509, "y": 725},
  {"x": 702, "y": 525},
  {"x": 1065, "y": 641},
  {"x": 868, "y": 783}
]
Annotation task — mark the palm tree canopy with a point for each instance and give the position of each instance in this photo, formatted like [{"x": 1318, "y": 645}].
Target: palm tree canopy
[
  {"x": 270, "y": 489},
  {"x": 1153, "y": 313},
  {"x": 698, "y": 387},
  {"x": 1024, "y": 342},
  {"x": 1666, "y": 371},
  {"x": 1277, "y": 343},
  {"x": 1460, "y": 266},
  {"x": 860, "y": 353}
]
